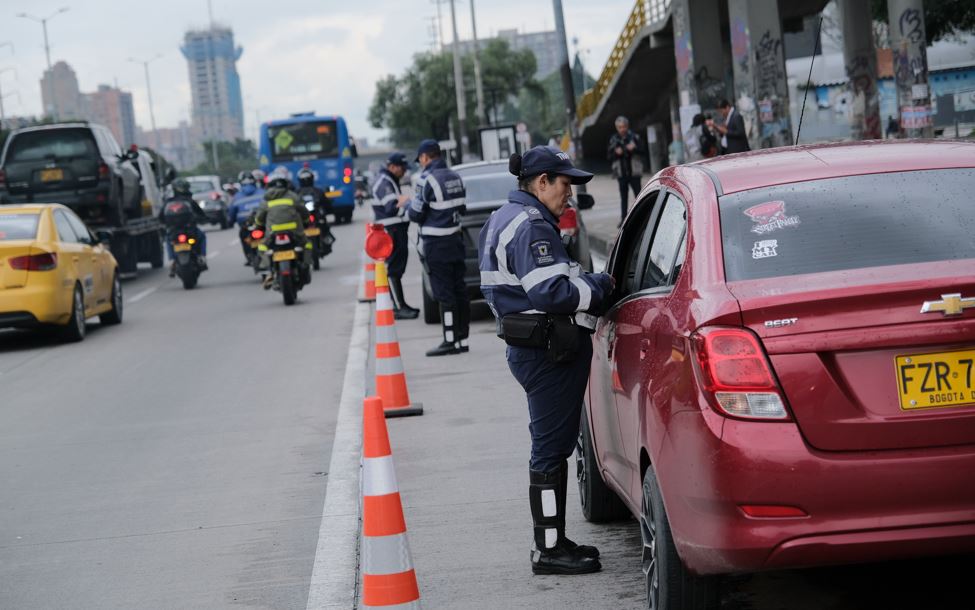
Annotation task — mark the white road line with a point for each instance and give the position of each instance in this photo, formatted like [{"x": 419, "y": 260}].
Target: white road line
[
  {"x": 138, "y": 297},
  {"x": 214, "y": 254},
  {"x": 236, "y": 242},
  {"x": 335, "y": 573}
]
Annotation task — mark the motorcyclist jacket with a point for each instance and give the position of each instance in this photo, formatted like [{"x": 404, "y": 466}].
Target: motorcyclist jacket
[
  {"x": 245, "y": 201},
  {"x": 438, "y": 202},
  {"x": 282, "y": 210},
  {"x": 526, "y": 269},
  {"x": 385, "y": 195},
  {"x": 317, "y": 197},
  {"x": 181, "y": 211}
]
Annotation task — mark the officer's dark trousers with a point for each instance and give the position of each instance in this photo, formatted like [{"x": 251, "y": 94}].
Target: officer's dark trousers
[
  {"x": 396, "y": 263},
  {"x": 555, "y": 394},
  {"x": 626, "y": 183}
]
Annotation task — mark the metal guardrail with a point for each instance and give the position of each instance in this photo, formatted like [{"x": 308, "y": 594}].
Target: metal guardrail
[{"x": 644, "y": 13}]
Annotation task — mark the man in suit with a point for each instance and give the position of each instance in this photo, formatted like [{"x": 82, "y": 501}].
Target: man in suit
[{"x": 733, "y": 136}]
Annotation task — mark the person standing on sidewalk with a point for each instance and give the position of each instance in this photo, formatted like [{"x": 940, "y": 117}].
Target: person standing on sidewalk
[
  {"x": 624, "y": 151},
  {"x": 545, "y": 305},
  {"x": 734, "y": 139},
  {"x": 437, "y": 205},
  {"x": 389, "y": 209}
]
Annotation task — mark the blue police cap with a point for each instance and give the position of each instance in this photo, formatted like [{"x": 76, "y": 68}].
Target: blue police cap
[
  {"x": 549, "y": 159},
  {"x": 397, "y": 158},
  {"x": 427, "y": 146}
]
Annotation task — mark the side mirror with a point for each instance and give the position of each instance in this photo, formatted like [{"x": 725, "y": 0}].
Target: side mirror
[
  {"x": 585, "y": 201},
  {"x": 103, "y": 237}
]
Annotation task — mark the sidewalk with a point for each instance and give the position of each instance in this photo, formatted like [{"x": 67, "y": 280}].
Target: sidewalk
[
  {"x": 602, "y": 221},
  {"x": 462, "y": 469}
]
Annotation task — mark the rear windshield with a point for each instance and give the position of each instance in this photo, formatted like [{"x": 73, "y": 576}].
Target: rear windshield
[
  {"x": 201, "y": 186},
  {"x": 52, "y": 144},
  {"x": 303, "y": 141},
  {"x": 18, "y": 226},
  {"x": 490, "y": 187},
  {"x": 849, "y": 223}
]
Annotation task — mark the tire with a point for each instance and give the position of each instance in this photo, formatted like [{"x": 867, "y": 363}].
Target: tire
[
  {"x": 431, "y": 308},
  {"x": 316, "y": 261},
  {"x": 347, "y": 217},
  {"x": 669, "y": 585},
  {"x": 190, "y": 278},
  {"x": 600, "y": 504},
  {"x": 75, "y": 329},
  {"x": 288, "y": 289},
  {"x": 156, "y": 256},
  {"x": 114, "y": 315}
]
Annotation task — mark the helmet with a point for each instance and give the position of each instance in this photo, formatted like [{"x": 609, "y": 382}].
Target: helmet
[
  {"x": 181, "y": 187},
  {"x": 242, "y": 174},
  {"x": 258, "y": 176},
  {"x": 279, "y": 178},
  {"x": 306, "y": 177},
  {"x": 246, "y": 178}
]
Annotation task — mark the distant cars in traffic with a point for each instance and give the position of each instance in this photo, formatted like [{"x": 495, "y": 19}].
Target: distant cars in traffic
[
  {"x": 786, "y": 378},
  {"x": 209, "y": 193}
]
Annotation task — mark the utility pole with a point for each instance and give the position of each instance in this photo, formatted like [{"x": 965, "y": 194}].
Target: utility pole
[
  {"x": 459, "y": 88},
  {"x": 2, "y": 70},
  {"x": 152, "y": 115},
  {"x": 47, "y": 51},
  {"x": 440, "y": 23},
  {"x": 479, "y": 88},
  {"x": 567, "y": 90}
]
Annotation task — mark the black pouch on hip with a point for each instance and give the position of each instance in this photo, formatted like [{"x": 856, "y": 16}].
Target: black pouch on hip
[
  {"x": 524, "y": 330},
  {"x": 563, "y": 339}
]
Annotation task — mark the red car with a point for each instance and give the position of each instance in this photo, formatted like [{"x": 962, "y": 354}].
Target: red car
[{"x": 787, "y": 378}]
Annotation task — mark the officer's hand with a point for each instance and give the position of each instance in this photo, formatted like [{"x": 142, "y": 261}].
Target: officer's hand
[{"x": 402, "y": 201}]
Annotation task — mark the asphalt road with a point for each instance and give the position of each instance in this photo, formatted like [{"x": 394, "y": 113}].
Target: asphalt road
[{"x": 177, "y": 460}]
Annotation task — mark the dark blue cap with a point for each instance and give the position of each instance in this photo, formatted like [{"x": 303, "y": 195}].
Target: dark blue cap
[
  {"x": 427, "y": 146},
  {"x": 397, "y": 158},
  {"x": 549, "y": 159}
]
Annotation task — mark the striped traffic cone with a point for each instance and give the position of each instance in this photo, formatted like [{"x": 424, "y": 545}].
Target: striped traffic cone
[
  {"x": 368, "y": 293},
  {"x": 388, "y": 578},
  {"x": 390, "y": 378}
]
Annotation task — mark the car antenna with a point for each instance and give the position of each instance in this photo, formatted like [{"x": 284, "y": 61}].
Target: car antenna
[{"x": 805, "y": 94}]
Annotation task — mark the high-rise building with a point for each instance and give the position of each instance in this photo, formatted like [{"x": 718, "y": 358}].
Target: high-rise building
[
  {"x": 175, "y": 144},
  {"x": 60, "y": 93},
  {"x": 113, "y": 108},
  {"x": 545, "y": 46},
  {"x": 218, "y": 109}
]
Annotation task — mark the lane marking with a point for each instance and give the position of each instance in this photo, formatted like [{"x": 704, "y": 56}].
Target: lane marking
[
  {"x": 236, "y": 242},
  {"x": 335, "y": 574},
  {"x": 214, "y": 254},
  {"x": 138, "y": 297}
]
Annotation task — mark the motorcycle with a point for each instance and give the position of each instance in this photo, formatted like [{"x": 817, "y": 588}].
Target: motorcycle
[
  {"x": 361, "y": 189},
  {"x": 289, "y": 272},
  {"x": 187, "y": 252},
  {"x": 318, "y": 233},
  {"x": 253, "y": 238}
]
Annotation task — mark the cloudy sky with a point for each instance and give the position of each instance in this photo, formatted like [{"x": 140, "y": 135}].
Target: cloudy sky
[{"x": 323, "y": 55}]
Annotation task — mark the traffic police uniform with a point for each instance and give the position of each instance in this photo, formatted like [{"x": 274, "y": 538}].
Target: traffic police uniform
[
  {"x": 385, "y": 195},
  {"x": 436, "y": 207},
  {"x": 528, "y": 277}
]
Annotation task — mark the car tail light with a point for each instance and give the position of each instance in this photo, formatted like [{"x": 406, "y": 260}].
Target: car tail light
[
  {"x": 282, "y": 238},
  {"x": 181, "y": 238},
  {"x": 257, "y": 234},
  {"x": 34, "y": 262},
  {"x": 103, "y": 173},
  {"x": 736, "y": 374},
  {"x": 569, "y": 222},
  {"x": 347, "y": 175},
  {"x": 771, "y": 511},
  {"x": 214, "y": 196},
  {"x": 311, "y": 218}
]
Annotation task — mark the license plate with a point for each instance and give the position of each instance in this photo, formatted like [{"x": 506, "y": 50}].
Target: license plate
[
  {"x": 182, "y": 247},
  {"x": 284, "y": 255},
  {"x": 313, "y": 231},
  {"x": 945, "y": 379},
  {"x": 52, "y": 175}
]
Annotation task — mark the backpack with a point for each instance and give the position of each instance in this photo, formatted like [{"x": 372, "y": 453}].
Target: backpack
[
  {"x": 177, "y": 212},
  {"x": 709, "y": 144}
]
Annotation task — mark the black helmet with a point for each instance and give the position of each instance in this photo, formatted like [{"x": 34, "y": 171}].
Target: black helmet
[
  {"x": 246, "y": 178},
  {"x": 306, "y": 177},
  {"x": 181, "y": 187},
  {"x": 280, "y": 178}
]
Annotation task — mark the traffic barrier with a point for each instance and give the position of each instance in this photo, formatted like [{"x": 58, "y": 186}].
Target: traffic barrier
[
  {"x": 390, "y": 376},
  {"x": 388, "y": 577}
]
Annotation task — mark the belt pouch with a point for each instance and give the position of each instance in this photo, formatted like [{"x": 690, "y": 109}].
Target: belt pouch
[
  {"x": 563, "y": 339},
  {"x": 524, "y": 330}
]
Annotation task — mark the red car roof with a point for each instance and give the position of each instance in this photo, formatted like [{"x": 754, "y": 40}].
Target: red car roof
[{"x": 769, "y": 167}]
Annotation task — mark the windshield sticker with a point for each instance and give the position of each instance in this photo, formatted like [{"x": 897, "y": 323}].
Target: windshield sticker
[
  {"x": 283, "y": 140},
  {"x": 766, "y": 248},
  {"x": 769, "y": 217}
]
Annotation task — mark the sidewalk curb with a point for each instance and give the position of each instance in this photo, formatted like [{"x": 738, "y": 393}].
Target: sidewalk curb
[{"x": 334, "y": 576}]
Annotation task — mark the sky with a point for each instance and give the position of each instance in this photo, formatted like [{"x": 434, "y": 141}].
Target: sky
[{"x": 299, "y": 55}]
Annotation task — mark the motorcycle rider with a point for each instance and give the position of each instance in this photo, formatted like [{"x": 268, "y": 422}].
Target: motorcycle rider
[
  {"x": 306, "y": 189},
  {"x": 244, "y": 204},
  {"x": 281, "y": 210},
  {"x": 181, "y": 213}
]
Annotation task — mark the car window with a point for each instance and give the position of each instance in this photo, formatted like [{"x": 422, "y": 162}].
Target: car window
[
  {"x": 200, "y": 186},
  {"x": 629, "y": 250},
  {"x": 489, "y": 187},
  {"x": 845, "y": 223},
  {"x": 51, "y": 144},
  {"x": 664, "y": 247},
  {"x": 18, "y": 226},
  {"x": 113, "y": 146},
  {"x": 65, "y": 232},
  {"x": 84, "y": 236}
]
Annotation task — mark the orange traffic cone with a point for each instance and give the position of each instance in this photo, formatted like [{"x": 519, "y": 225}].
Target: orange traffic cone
[
  {"x": 390, "y": 378},
  {"x": 368, "y": 294},
  {"x": 388, "y": 578}
]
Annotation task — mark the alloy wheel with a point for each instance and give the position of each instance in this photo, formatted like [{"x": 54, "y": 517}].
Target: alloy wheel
[
  {"x": 581, "y": 468},
  {"x": 79, "y": 311},
  {"x": 651, "y": 565},
  {"x": 117, "y": 295}
]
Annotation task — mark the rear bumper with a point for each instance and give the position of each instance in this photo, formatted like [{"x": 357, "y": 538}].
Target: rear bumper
[
  {"x": 861, "y": 506},
  {"x": 90, "y": 196},
  {"x": 17, "y": 319},
  {"x": 32, "y": 305}
]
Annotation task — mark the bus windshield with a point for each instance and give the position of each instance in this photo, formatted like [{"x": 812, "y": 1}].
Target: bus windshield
[{"x": 303, "y": 141}]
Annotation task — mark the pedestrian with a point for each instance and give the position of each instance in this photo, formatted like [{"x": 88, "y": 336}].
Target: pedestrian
[
  {"x": 545, "y": 305},
  {"x": 709, "y": 141},
  {"x": 437, "y": 205},
  {"x": 625, "y": 152},
  {"x": 389, "y": 209},
  {"x": 699, "y": 139},
  {"x": 734, "y": 139},
  {"x": 893, "y": 128}
]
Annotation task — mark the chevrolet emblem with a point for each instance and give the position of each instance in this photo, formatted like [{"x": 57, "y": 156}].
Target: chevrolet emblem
[{"x": 950, "y": 305}]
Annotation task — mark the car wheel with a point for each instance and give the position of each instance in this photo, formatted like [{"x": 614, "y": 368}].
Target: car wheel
[
  {"x": 75, "y": 329},
  {"x": 669, "y": 584},
  {"x": 599, "y": 503},
  {"x": 431, "y": 308},
  {"x": 114, "y": 315}
]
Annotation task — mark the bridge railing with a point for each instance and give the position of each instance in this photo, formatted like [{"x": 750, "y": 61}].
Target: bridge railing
[{"x": 644, "y": 13}]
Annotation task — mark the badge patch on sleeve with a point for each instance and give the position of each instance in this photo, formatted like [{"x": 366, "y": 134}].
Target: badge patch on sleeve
[{"x": 542, "y": 251}]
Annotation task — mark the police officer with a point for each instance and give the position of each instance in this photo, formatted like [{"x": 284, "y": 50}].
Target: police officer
[
  {"x": 281, "y": 210},
  {"x": 389, "y": 209},
  {"x": 545, "y": 305},
  {"x": 437, "y": 205}
]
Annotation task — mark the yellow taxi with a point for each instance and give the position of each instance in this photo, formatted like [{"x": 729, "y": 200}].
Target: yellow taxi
[{"x": 53, "y": 271}]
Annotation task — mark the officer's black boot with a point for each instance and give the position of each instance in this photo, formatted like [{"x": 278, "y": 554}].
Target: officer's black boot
[
  {"x": 450, "y": 344},
  {"x": 401, "y": 311},
  {"x": 580, "y": 549},
  {"x": 547, "y": 555},
  {"x": 463, "y": 326}
]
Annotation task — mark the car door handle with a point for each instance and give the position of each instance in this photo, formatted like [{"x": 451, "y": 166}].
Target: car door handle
[{"x": 644, "y": 348}]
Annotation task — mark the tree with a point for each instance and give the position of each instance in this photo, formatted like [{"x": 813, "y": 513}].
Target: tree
[
  {"x": 234, "y": 157},
  {"x": 943, "y": 19}
]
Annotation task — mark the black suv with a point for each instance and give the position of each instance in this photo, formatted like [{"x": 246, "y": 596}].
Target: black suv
[{"x": 76, "y": 164}]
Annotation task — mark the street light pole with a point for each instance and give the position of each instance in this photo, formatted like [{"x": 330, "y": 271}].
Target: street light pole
[
  {"x": 152, "y": 115},
  {"x": 567, "y": 89},
  {"x": 47, "y": 50},
  {"x": 479, "y": 88},
  {"x": 459, "y": 87},
  {"x": 2, "y": 115}
]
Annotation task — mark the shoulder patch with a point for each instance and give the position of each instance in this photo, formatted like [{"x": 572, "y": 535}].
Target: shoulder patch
[{"x": 542, "y": 252}]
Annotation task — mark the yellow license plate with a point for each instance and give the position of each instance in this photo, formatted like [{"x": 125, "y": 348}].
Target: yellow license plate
[
  {"x": 182, "y": 247},
  {"x": 284, "y": 255},
  {"x": 52, "y": 175},
  {"x": 946, "y": 379},
  {"x": 313, "y": 231}
]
